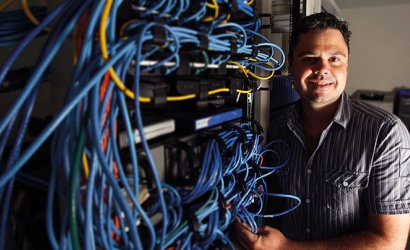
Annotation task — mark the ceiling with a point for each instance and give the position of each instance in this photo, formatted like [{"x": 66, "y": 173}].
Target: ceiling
[{"x": 346, "y": 4}]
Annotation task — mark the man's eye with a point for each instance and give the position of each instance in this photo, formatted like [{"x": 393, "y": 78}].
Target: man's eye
[
  {"x": 309, "y": 59},
  {"x": 334, "y": 59}
]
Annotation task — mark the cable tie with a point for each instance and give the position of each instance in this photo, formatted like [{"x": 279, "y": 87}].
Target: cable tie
[
  {"x": 259, "y": 128},
  {"x": 233, "y": 84},
  {"x": 203, "y": 41},
  {"x": 255, "y": 51},
  {"x": 159, "y": 93},
  {"x": 184, "y": 66},
  {"x": 241, "y": 184},
  {"x": 160, "y": 35},
  {"x": 234, "y": 48},
  {"x": 255, "y": 167},
  {"x": 193, "y": 221}
]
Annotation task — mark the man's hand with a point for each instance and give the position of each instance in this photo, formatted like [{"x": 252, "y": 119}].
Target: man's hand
[
  {"x": 385, "y": 232},
  {"x": 266, "y": 238}
]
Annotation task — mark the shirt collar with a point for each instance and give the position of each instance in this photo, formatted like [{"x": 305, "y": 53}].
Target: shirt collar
[
  {"x": 342, "y": 116},
  {"x": 344, "y": 110}
]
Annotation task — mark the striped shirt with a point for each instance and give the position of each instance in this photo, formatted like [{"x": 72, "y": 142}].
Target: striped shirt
[{"x": 360, "y": 166}]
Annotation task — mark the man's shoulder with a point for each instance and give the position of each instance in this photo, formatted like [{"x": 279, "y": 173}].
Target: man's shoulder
[
  {"x": 364, "y": 110},
  {"x": 281, "y": 116}
]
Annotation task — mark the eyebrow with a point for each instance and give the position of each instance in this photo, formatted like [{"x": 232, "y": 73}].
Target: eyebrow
[{"x": 311, "y": 53}]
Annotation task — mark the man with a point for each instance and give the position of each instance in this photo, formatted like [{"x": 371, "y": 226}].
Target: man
[{"x": 349, "y": 162}]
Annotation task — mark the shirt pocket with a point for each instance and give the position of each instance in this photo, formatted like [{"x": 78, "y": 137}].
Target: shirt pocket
[{"x": 344, "y": 189}]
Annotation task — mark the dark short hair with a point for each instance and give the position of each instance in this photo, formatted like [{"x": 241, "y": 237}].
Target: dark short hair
[{"x": 319, "y": 22}]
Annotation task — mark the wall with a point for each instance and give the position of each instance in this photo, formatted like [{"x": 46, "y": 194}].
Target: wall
[{"x": 380, "y": 53}]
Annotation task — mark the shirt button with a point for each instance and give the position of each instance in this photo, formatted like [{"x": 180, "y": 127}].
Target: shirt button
[
  {"x": 308, "y": 201},
  {"x": 307, "y": 230},
  {"x": 309, "y": 171},
  {"x": 345, "y": 184}
]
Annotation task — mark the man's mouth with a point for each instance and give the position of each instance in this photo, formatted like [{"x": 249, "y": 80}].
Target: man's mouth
[{"x": 320, "y": 83}]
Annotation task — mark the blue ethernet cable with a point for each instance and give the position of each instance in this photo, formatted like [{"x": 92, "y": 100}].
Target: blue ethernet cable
[
  {"x": 16, "y": 149},
  {"x": 18, "y": 143},
  {"x": 85, "y": 55},
  {"x": 62, "y": 114},
  {"x": 88, "y": 225},
  {"x": 35, "y": 76},
  {"x": 196, "y": 17},
  {"x": 110, "y": 179},
  {"x": 143, "y": 139},
  {"x": 14, "y": 55},
  {"x": 236, "y": 163},
  {"x": 135, "y": 165}
]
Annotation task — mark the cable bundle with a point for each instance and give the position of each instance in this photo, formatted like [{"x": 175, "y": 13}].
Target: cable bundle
[
  {"x": 231, "y": 183},
  {"x": 111, "y": 198}
]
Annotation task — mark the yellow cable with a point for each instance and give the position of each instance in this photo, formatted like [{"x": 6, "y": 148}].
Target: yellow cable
[
  {"x": 262, "y": 77},
  {"x": 4, "y": 5},
  {"x": 244, "y": 91},
  {"x": 212, "y": 5},
  {"x": 216, "y": 9},
  {"x": 215, "y": 91},
  {"x": 104, "y": 52},
  {"x": 245, "y": 71},
  {"x": 180, "y": 98},
  {"x": 30, "y": 15},
  {"x": 191, "y": 96},
  {"x": 250, "y": 2},
  {"x": 249, "y": 73},
  {"x": 85, "y": 165},
  {"x": 226, "y": 19}
]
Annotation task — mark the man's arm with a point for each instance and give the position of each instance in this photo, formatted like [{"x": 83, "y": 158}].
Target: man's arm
[{"x": 385, "y": 232}]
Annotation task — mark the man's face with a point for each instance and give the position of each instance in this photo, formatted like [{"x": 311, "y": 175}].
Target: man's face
[{"x": 319, "y": 66}]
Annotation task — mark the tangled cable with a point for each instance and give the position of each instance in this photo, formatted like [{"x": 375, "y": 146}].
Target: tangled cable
[{"x": 109, "y": 197}]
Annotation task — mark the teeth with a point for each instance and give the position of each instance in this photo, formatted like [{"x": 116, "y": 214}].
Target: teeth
[{"x": 320, "y": 84}]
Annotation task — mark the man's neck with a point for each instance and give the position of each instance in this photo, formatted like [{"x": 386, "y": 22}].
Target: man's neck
[
  {"x": 316, "y": 118},
  {"x": 318, "y": 115}
]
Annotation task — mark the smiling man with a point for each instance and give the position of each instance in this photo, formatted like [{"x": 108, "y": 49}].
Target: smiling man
[{"x": 349, "y": 161}]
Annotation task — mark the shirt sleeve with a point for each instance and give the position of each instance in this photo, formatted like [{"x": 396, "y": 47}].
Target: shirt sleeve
[{"x": 389, "y": 183}]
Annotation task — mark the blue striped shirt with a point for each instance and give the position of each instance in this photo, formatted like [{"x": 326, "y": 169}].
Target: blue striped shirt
[{"x": 360, "y": 166}]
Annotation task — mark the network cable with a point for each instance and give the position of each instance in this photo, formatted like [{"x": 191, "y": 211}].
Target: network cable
[{"x": 110, "y": 197}]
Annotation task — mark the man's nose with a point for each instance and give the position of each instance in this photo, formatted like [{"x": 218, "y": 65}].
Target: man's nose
[{"x": 322, "y": 67}]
